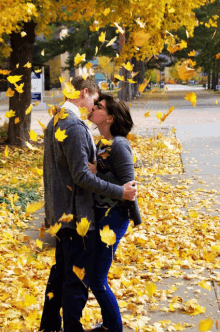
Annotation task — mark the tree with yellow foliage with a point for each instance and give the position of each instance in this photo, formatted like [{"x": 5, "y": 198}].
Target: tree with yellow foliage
[{"x": 147, "y": 24}]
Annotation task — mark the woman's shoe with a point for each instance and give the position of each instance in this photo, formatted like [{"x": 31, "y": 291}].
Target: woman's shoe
[{"x": 98, "y": 328}]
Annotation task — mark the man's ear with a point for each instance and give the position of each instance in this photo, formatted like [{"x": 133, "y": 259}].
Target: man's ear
[{"x": 110, "y": 119}]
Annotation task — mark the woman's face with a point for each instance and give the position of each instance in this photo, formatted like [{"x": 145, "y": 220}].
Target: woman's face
[{"x": 99, "y": 114}]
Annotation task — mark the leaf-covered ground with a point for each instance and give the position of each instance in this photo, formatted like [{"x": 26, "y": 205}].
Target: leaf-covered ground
[{"x": 173, "y": 236}]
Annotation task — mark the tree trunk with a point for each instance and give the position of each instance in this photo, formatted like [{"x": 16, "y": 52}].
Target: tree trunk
[
  {"x": 140, "y": 67},
  {"x": 209, "y": 80},
  {"x": 22, "y": 51},
  {"x": 213, "y": 81}
]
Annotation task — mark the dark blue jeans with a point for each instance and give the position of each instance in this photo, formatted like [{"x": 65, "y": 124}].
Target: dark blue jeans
[
  {"x": 68, "y": 290},
  {"x": 118, "y": 221}
]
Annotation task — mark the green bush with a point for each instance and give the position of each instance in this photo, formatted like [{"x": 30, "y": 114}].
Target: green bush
[{"x": 4, "y": 130}]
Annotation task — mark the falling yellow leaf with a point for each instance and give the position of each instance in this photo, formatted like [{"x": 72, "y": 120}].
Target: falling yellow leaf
[
  {"x": 183, "y": 44},
  {"x": 204, "y": 284},
  {"x": 147, "y": 114},
  {"x": 134, "y": 159},
  {"x": 37, "y": 103},
  {"x": 96, "y": 50},
  {"x": 89, "y": 65},
  {"x": 17, "y": 120},
  {"x": 19, "y": 88},
  {"x": 9, "y": 93},
  {"x": 31, "y": 147},
  {"x": 184, "y": 71},
  {"x": 111, "y": 42},
  {"x": 28, "y": 110},
  {"x": 54, "y": 229},
  {"x": 42, "y": 53},
  {"x": 205, "y": 324},
  {"x": 216, "y": 102},
  {"x": 128, "y": 66},
  {"x": 51, "y": 96},
  {"x": 85, "y": 75},
  {"x": 33, "y": 207},
  {"x": 104, "y": 85},
  {"x": 82, "y": 227},
  {"x": 106, "y": 142},
  {"x": 42, "y": 125},
  {"x": 37, "y": 71},
  {"x": 14, "y": 79},
  {"x": 50, "y": 295},
  {"x": 108, "y": 235},
  {"x": 174, "y": 48},
  {"x": 60, "y": 115},
  {"x": 150, "y": 288},
  {"x": 170, "y": 110},
  {"x": 39, "y": 244},
  {"x": 10, "y": 114},
  {"x": 61, "y": 79},
  {"x": 122, "y": 31},
  {"x": 191, "y": 96},
  {"x": 131, "y": 81},
  {"x": 159, "y": 115},
  {"x": 28, "y": 65},
  {"x": 192, "y": 53},
  {"x": 70, "y": 92},
  {"x": 143, "y": 85},
  {"x": 66, "y": 218},
  {"x": 171, "y": 81},
  {"x": 83, "y": 112},
  {"x": 102, "y": 37},
  {"x": 106, "y": 11},
  {"x": 17, "y": 65},
  {"x": 79, "y": 58},
  {"x": 79, "y": 272},
  {"x": 60, "y": 135},
  {"x": 121, "y": 78},
  {"x": 33, "y": 135},
  {"x": 23, "y": 33},
  {"x": 140, "y": 38},
  {"x": 6, "y": 151}
]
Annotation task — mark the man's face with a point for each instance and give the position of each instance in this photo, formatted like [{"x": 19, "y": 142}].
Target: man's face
[{"x": 90, "y": 100}]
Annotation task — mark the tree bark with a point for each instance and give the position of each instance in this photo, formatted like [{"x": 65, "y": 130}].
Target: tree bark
[
  {"x": 22, "y": 51},
  {"x": 209, "y": 80}
]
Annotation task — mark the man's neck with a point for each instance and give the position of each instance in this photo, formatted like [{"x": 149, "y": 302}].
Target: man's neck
[{"x": 75, "y": 102}]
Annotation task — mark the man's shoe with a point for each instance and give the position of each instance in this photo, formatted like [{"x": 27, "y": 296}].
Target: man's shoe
[{"x": 98, "y": 328}]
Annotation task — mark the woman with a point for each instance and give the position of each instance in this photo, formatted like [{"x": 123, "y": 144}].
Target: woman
[{"x": 115, "y": 164}]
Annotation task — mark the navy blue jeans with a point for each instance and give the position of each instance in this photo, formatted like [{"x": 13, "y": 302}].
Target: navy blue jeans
[
  {"x": 118, "y": 221},
  {"x": 68, "y": 290}
]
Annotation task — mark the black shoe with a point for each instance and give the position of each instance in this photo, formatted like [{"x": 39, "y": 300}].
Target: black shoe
[{"x": 98, "y": 328}]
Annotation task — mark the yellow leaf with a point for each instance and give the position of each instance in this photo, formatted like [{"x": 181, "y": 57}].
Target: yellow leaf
[
  {"x": 42, "y": 53},
  {"x": 54, "y": 229},
  {"x": 28, "y": 65},
  {"x": 42, "y": 125},
  {"x": 62, "y": 79},
  {"x": 147, "y": 114},
  {"x": 23, "y": 34},
  {"x": 84, "y": 112},
  {"x": 33, "y": 207},
  {"x": 193, "y": 308},
  {"x": 70, "y": 188},
  {"x": 37, "y": 71},
  {"x": 19, "y": 88},
  {"x": 111, "y": 42},
  {"x": 159, "y": 115},
  {"x": 70, "y": 91},
  {"x": 84, "y": 76},
  {"x": 184, "y": 71},
  {"x": 192, "y": 53},
  {"x": 134, "y": 159},
  {"x": 131, "y": 81},
  {"x": 183, "y": 44},
  {"x": 150, "y": 288},
  {"x": 171, "y": 81},
  {"x": 96, "y": 50},
  {"x": 191, "y": 96},
  {"x": 66, "y": 218},
  {"x": 79, "y": 58},
  {"x": 37, "y": 103},
  {"x": 29, "y": 300},
  {"x": 33, "y": 135},
  {"x": 106, "y": 11},
  {"x": 10, "y": 114},
  {"x": 28, "y": 110},
  {"x": 179, "y": 327},
  {"x": 51, "y": 95},
  {"x": 205, "y": 325},
  {"x": 60, "y": 135},
  {"x": 106, "y": 142},
  {"x": 31, "y": 147},
  {"x": 89, "y": 65},
  {"x": 79, "y": 272},
  {"x": 143, "y": 85},
  {"x": 170, "y": 110},
  {"x": 39, "y": 244},
  {"x": 121, "y": 78},
  {"x": 107, "y": 212},
  {"x": 140, "y": 38},
  {"x": 174, "y": 48},
  {"x": 9, "y": 93},
  {"x": 107, "y": 235},
  {"x": 15, "y": 197},
  {"x": 102, "y": 37},
  {"x": 122, "y": 31},
  {"x": 14, "y": 79},
  {"x": 39, "y": 171},
  {"x": 6, "y": 151},
  {"x": 128, "y": 66},
  {"x": 216, "y": 102},
  {"x": 17, "y": 65},
  {"x": 104, "y": 85},
  {"x": 82, "y": 227},
  {"x": 173, "y": 130},
  {"x": 204, "y": 284},
  {"x": 217, "y": 56},
  {"x": 50, "y": 295}
]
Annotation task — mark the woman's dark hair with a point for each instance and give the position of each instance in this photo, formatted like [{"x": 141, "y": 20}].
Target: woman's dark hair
[{"x": 122, "y": 120}]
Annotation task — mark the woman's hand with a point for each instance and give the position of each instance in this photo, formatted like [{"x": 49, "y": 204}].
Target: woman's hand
[{"x": 93, "y": 167}]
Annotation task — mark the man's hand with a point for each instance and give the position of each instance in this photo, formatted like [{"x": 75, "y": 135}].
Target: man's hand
[
  {"x": 130, "y": 190},
  {"x": 93, "y": 167}
]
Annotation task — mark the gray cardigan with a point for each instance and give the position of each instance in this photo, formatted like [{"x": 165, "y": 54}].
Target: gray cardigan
[
  {"x": 68, "y": 183},
  {"x": 118, "y": 168}
]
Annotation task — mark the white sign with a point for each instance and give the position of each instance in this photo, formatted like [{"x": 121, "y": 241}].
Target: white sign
[{"x": 36, "y": 86}]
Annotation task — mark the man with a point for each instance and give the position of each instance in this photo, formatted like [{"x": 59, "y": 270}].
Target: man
[{"x": 69, "y": 186}]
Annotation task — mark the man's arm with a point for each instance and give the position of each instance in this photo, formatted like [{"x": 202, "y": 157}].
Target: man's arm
[{"x": 77, "y": 150}]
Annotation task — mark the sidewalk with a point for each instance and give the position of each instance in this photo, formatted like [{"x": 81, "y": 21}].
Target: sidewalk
[{"x": 197, "y": 191}]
